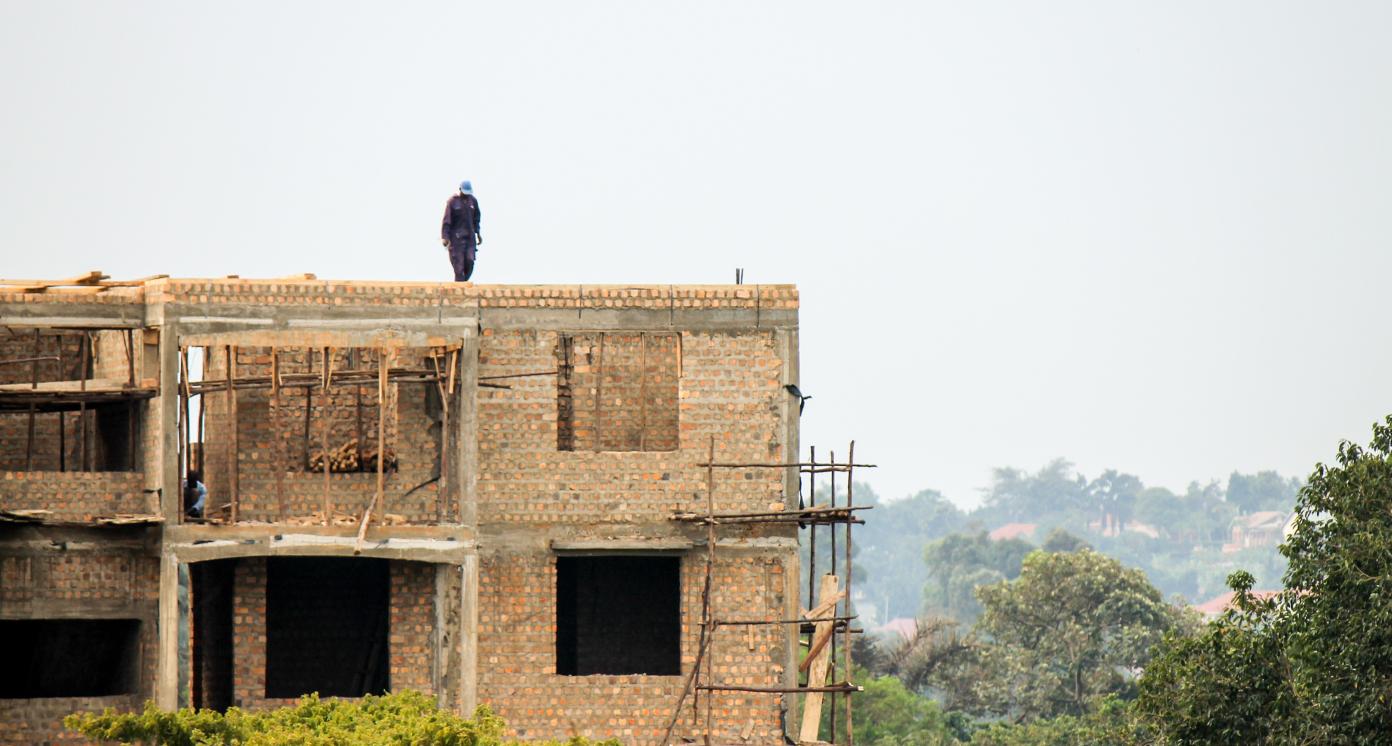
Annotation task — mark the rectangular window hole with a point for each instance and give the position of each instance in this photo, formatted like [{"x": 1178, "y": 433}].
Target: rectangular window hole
[
  {"x": 618, "y": 615},
  {"x": 327, "y": 626},
  {"x": 69, "y": 657}
]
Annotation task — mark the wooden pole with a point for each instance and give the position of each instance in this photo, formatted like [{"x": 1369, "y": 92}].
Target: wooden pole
[
  {"x": 232, "y": 440},
  {"x": 62, "y": 418},
  {"x": 707, "y": 617},
  {"x": 441, "y": 491},
  {"x": 85, "y": 345},
  {"x": 203, "y": 418},
  {"x": 382, "y": 361},
  {"x": 357, "y": 405},
  {"x": 34, "y": 370},
  {"x": 831, "y": 660},
  {"x": 185, "y": 462},
  {"x": 599, "y": 396},
  {"x": 324, "y": 431},
  {"x": 284, "y": 451},
  {"x": 308, "y": 393},
  {"x": 130, "y": 403},
  {"x": 642, "y": 391},
  {"x": 846, "y": 639}
]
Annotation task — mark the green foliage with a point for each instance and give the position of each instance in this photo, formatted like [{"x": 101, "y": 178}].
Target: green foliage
[
  {"x": 1109, "y": 724},
  {"x": 1313, "y": 665},
  {"x": 1066, "y": 633},
  {"x": 1059, "y": 540},
  {"x": 404, "y": 718},
  {"x": 959, "y": 563},
  {"x": 888, "y": 714}
]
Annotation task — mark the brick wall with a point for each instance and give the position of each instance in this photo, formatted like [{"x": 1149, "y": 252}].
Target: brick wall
[
  {"x": 26, "y": 722},
  {"x": 617, "y": 391},
  {"x": 517, "y": 656},
  {"x": 273, "y": 447},
  {"x": 411, "y": 635},
  {"x": 729, "y": 388},
  {"x": 76, "y": 497},
  {"x": 68, "y": 584}
]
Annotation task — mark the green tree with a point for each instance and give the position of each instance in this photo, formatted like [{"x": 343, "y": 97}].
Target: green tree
[
  {"x": 1313, "y": 665},
  {"x": 1265, "y": 490},
  {"x": 958, "y": 564},
  {"x": 1069, "y": 631},
  {"x": 889, "y": 714},
  {"x": 1059, "y": 540}
]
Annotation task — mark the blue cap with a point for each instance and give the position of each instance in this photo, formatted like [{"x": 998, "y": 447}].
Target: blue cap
[{"x": 466, "y": 186}]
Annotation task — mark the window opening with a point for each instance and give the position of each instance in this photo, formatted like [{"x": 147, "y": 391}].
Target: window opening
[
  {"x": 618, "y": 615},
  {"x": 326, "y": 626},
  {"x": 69, "y": 657}
]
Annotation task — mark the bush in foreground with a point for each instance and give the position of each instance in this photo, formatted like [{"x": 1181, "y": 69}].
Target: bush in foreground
[{"x": 401, "y": 718}]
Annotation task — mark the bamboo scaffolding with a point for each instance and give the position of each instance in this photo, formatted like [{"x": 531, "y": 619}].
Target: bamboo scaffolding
[{"x": 824, "y": 624}]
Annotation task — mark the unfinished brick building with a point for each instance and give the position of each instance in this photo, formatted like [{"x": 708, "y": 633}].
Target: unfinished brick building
[{"x": 461, "y": 489}]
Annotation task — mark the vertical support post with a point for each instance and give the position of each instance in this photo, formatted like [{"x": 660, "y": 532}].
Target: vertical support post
[
  {"x": 34, "y": 369},
  {"x": 850, "y": 578},
  {"x": 167, "y": 670},
  {"x": 284, "y": 453},
  {"x": 203, "y": 412},
  {"x": 234, "y": 447},
  {"x": 130, "y": 358},
  {"x": 599, "y": 396},
  {"x": 324, "y": 431},
  {"x": 354, "y": 364},
  {"x": 308, "y": 394},
  {"x": 382, "y": 361},
  {"x": 130, "y": 403},
  {"x": 441, "y": 487},
  {"x": 185, "y": 463},
  {"x": 62, "y": 416},
  {"x": 831, "y": 529},
  {"x": 642, "y": 391},
  {"x": 86, "y": 347},
  {"x": 707, "y": 616}
]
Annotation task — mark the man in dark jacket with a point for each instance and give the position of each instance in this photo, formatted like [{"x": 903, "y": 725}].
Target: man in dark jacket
[{"x": 460, "y": 230}]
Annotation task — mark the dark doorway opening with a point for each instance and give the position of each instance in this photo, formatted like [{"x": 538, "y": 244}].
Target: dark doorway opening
[
  {"x": 618, "y": 615},
  {"x": 69, "y": 657},
  {"x": 212, "y": 584},
  {"x": 326, "y": 626}
]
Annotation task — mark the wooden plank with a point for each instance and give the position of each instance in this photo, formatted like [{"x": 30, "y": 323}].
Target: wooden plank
[
  {"x": 816, "y": 677},
  {"x": 86, "y": 278},
  {"x": 90, "y": 385}
]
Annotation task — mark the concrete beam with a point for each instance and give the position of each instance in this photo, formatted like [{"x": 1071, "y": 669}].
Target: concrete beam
[
  {"x": 311, "y": 545},
  {"x": 636, "y": 319},
  {"x": 74, "y": 315}
]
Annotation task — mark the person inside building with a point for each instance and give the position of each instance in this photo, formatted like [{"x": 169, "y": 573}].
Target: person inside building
[
  {"x": 195, "y": 494},
  {"x": 460, "y": 230}
]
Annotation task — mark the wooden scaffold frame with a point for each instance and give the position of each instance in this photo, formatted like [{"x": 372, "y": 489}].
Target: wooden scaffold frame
[
  {"x": 443, "y": 362},
  {"x": 825, "y": 617}
]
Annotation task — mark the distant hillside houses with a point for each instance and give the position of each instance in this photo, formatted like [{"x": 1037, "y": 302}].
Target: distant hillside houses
[{"x": 1264, "y": 528}]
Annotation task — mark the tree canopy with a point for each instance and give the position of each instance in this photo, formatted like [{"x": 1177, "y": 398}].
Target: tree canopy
[{"x": 1314, "y": 664}]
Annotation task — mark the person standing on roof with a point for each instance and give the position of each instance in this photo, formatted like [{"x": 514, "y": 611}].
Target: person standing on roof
[{"x": 460, "y": 230}]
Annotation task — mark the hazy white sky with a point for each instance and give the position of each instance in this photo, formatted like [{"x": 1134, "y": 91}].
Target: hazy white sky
[{"x": 1150, "y": 236}]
